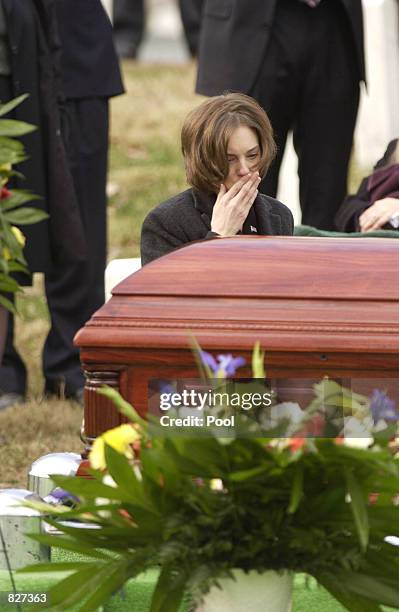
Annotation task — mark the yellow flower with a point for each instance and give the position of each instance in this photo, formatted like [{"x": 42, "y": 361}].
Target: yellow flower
[
  {"x": 6, "y": 254},
  {"x": 18, "y": 235},
  {"x": 119, "y": 438},
  {"x": 216, "y": 484}
]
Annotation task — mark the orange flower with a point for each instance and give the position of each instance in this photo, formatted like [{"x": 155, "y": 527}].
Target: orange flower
[{"x": 295, "y": 444}]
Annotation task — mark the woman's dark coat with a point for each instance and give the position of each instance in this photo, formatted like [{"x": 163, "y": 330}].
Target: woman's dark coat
[
  {"x": 186, "y": 217},
  {"x": 34, "y": 58}
]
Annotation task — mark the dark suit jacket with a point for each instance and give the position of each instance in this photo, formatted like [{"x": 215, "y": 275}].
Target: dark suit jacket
[
  {"x": 34, "y": 46},
  {"x": 89, "y": 63},
  {"x": 234, "y": 37},
  {"x": 187, "y": 217}
]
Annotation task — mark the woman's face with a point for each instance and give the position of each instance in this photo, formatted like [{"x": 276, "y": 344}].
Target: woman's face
[{"x": 243, "y": 154}]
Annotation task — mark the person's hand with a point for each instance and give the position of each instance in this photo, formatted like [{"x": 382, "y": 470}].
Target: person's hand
[
  {"x": 377, "y": 215},
  {"x": 232, "y": 206}
]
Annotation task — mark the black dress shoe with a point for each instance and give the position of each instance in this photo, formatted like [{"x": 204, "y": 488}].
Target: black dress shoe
[
  {"x": 10, "y": 399},
  {"x": 78, "y": 396}
]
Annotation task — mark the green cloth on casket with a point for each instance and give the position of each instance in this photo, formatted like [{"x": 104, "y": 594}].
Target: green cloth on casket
[{"x": 307, "y": 230}]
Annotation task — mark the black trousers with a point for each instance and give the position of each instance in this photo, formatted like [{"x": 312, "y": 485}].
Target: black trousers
[
  {"x": 74, "y": 291},
  {"x": 129, "y": 18},
  {"x": 309, "y": 83},
  {"x": 191, "y": 14},
  {"x": 128, "y": 21}
]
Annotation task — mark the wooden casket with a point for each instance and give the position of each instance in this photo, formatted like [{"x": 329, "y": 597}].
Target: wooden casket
[{"x": 319, "y": 307}]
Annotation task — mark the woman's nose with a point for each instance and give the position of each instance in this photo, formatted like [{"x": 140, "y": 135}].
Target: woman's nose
[{"x": 243, "y": 169}]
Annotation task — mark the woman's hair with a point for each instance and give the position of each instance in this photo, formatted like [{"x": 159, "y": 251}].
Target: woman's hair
[{"x": 206, "y": 133}]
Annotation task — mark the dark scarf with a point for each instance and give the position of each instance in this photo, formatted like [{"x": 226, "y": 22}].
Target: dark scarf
[{"x": 383, "y": 183}]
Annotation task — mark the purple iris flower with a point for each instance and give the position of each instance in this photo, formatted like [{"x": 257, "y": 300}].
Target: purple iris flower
[
  {"x": 60, "y": 496},
  {"x": 167, "y": 388},
  {"x": 382, "y": 407},
  {"x": 227, "y": 363}
]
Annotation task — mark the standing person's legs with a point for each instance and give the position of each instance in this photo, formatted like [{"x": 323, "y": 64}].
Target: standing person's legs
[
  {"x": 191, "y": 14},
  {"x": 128, "y": 21},
  {"x": 12, "y": 371},
  {"x": 277, "y": 85},
  {"x": 323, "y": 133},
  {"x": 74, "y": 292}
]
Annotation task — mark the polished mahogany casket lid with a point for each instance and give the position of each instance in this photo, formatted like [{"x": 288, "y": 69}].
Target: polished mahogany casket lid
[{"x": 318, "y": 306}]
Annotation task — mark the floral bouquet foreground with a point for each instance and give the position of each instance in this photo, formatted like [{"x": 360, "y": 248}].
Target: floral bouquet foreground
[
  {"x": 13, "y": 211},
  {"x": 199, "y": 508}
]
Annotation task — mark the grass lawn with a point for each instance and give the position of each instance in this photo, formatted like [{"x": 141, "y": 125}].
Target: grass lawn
[{"x": 145, "y": 168}]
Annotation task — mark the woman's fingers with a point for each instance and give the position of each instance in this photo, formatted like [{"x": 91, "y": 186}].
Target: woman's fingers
[
  {"x": 373, "y": 221},
  {"x": 247, "y": 192},
  {"x": 236, "y": 188},
  {"x": 222, "y": 190},
  {"x": 378, "y": 214},
  {"x": 369, "y": 219},
  {"x": 380, "y": 222},
  {"x": 232, "y": 206}
]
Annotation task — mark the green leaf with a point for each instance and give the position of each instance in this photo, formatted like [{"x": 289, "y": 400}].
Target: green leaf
[
  {"x": 90, "y": 489},
  {"x": 75, "y": 588},
  {"x": 25, "y": 215},
  {"x": 169, "y": 592},
  {"x": 38, "y": 568},
  {"x": 371, "y": 587},
  {"x": 296, "y": 490},
  {"x": 351, "y": 602},
  {"x": 9, "y": 106},
  {"x": 8, "y": 284},
  {"x": 112, "y": 582},
  {"x": 14, "y": 266},
  {"x": 122, "y": 405},
  {"x": 358, "y": 507},
  {"x": 69, "y": 544},
  {"x": 17, "y": 198},
  {"x": 204, "y": 370},
  {"x": 127, "y": 481},
  {"x": 242, "y": 475},
  {"x": 11, "y": 151},
  {"x": 12, "y": 127},
  {"x": 258, "y": 359},
  {"x": 8, "y": 304}
]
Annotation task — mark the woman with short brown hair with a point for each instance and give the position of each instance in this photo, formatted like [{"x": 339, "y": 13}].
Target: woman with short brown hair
[{"x": 228, "y": 145}]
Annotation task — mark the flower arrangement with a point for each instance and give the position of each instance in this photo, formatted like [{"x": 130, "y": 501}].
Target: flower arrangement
[
  {"x": 13, "y": 211},
  {"x": 199, "y": 508}
]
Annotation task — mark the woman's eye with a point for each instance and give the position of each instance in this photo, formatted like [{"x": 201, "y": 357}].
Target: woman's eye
[{"x": 253, "y": 156}]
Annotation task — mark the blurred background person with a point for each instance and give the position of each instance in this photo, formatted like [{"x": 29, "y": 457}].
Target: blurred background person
[
  {"x": 128, "y": 22},
  {"x": 28, "y": 64},
  {"x": 375, "y": 206},
  {"x": 129, "y": 25},
  {"x": 302, "y": 60},
  {"x": 90, "y": 77},
  {"x": 85, "y": 74}
]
